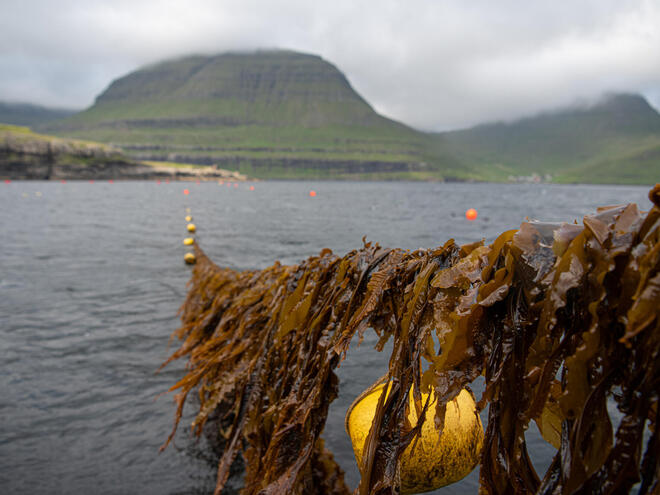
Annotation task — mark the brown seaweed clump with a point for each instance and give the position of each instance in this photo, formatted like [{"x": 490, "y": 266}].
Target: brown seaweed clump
[{"x": 561, "y": 319}]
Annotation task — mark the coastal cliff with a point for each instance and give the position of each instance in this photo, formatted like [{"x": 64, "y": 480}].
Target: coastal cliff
[{"x": 25, "y": 155}]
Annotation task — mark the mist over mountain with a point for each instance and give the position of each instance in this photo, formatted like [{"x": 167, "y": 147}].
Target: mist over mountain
[
  {"x": 30, "y": 115},
  {"x": 614, "y": 139},
  {"x": 283, "y": 114},
  {"x": 265, "y": 113}
]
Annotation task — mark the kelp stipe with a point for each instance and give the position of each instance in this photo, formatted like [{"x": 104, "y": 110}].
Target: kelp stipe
[{"x": 559, "y": 318}]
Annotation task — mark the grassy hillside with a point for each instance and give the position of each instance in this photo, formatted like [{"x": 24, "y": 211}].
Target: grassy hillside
[
  {"x": 23, "y": 139},
  {"x": 613, "y": 141},
  {"x": 26, "y": 114},
  {"x": 280, "y": 114},
  {"x": 267, "y": 114}
]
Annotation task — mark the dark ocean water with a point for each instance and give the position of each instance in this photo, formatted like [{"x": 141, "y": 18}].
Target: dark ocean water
[{"x": 91, "y": 278}]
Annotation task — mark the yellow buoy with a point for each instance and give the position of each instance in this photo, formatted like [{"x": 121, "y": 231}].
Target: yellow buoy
[
  {"x": 188, "y": 218},
  {"x": 191, "y": 227},
  {"x": 431, "y": 464},
  {"x": 188, "y": 241},
  {"x": 189, "y": 258}
]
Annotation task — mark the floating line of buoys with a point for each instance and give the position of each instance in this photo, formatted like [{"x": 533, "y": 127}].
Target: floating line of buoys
[{"x": 189, "y": 257}]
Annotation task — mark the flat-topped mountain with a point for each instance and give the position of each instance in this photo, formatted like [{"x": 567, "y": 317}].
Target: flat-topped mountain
[
  {"x": 281, "y": 114},
  {"x": 266, "y": 113},
  {"x": 236, "y": 88}
]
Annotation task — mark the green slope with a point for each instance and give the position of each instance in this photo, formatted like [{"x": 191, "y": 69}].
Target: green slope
[
  {"x": 26, "y": 114},
  {"x": 281, "y": 114},
  {"x": 613, "y": 141},
  {"x": 267, "y": 114}
]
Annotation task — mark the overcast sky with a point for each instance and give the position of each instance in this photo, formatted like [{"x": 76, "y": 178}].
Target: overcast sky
[{"x": 433, "y": 64}]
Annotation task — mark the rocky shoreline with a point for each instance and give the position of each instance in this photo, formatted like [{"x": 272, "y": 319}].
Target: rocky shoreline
[{"x": 28, "y": 156}]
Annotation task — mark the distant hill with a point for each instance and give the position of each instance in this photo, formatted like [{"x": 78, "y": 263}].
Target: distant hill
[
  {"x": 281, "y": 114},
  {"x": 615, "y": 140},
  {"x": 27, "y": 114},
  {"x": 267, "y": 114}
]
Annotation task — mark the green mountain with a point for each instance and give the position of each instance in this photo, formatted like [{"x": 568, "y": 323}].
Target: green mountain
[
  {"x": 616, "y": 140},
  {"x": 267, "y": 114},
  {"x": 281, "y": 114},
  {"x": 27, "y": 114}
]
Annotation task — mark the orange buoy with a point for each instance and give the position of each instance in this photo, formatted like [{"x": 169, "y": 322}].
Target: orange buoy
[
  {"x": 312, "y": 193},
  {"x": 7, "y": 181},
  {"x": 471, "y": 214},
  {"x": 111, "y": 181},
  {"x": 91, "y": 181},
  {"x": 185, "y": 191},
  {"x": 235, "y": 185},
  {"x": 63, "y": 181},
  {"x": 251, "y": 188}
]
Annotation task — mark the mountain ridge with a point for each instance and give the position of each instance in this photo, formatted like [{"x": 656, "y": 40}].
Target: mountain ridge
[
  {"x": 567, "y": 143},
  {"x": 29, "y": 114},
  {"x": 265, "y": 112},
  {"x": 283, "y": 114}
]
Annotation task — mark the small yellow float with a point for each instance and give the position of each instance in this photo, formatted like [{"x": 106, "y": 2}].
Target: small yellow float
[
  {"x": 434, "y": 462},
  {"x": 189, "y": 258},
  {"x": 188, "y": 218},
  {"x": 191, "y": 227},
  {"x": 188, "y": 241}
]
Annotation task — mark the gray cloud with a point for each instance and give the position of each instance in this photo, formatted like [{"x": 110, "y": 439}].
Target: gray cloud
[{"x": 432, "y": 64}]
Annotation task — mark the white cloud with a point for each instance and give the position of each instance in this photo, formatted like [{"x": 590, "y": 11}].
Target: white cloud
[{"x": 434, "y": 65}]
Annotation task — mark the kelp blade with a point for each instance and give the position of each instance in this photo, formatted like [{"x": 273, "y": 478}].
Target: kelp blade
[{"x": 561, "y": 319}]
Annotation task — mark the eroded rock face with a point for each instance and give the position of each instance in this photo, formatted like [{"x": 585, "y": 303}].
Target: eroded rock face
[{"x": 28, "y": 156}]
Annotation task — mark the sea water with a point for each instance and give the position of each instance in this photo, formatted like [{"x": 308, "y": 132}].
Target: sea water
[{"x": 92, "y": 276}]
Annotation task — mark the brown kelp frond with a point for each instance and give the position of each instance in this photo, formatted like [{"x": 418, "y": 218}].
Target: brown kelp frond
[{"x": 561, "y": 319}]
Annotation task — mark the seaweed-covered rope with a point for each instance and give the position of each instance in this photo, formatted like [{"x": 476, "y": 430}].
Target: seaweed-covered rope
[{"x": 559, "y": 318}]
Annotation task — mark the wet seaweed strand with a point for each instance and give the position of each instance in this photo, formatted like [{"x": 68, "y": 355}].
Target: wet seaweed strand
[{"x": 559, "y": 318}]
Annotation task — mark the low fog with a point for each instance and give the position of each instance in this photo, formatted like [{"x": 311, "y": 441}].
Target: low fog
[{"x": 433, "y": 65}]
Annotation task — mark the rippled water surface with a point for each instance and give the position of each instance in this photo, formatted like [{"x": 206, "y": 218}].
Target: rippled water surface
[{"x": 91, "y": 278}]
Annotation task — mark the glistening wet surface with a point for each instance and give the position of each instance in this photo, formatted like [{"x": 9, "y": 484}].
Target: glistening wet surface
[{"x": 91, "y": 278}]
